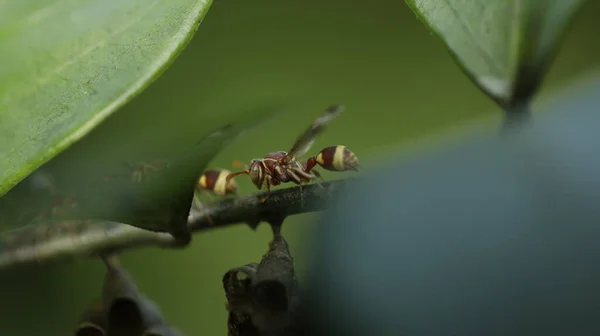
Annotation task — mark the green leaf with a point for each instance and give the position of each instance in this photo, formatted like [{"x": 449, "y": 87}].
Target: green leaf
[
  {"x": 59, "y": 213},
  {"x": 505, "y": 46},
  {"x": 67, "y": 65}
]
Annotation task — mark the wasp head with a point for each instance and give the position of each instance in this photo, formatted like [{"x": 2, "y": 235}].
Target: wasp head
[{"x": 256, "y": 171}]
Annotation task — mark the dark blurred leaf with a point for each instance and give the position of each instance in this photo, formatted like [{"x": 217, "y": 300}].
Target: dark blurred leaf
[
  {"x": 275, "y": 284},
  {"x": 93, "y": 322},
  {"x": 505, "y": 46},
  {"x": 67, "y": 65},
  {"x": 122, "y": 301},
  {"x": 162, "y": 200},
  {"x": 156, "y": 199},
  {"x": 272, "y": 296},
  {"x": 162, "y": 331},
  {"x": 263, "y": 298},
  {"x": 237, "y": 283},
  {"x": 126, "y": 309},
  {"x": 496, "y": 235},
  {"x": 122, "y": 310},
  {"x": 89, "y": 330},
  {"x": 240, "y": 324},
  {"x": 125, "y": 317}
]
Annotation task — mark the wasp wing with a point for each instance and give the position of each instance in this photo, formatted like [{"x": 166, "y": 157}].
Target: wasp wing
[{"x": 306, "y": 140}]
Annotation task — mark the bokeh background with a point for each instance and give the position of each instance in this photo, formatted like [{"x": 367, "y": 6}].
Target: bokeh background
[{"x": 397, "y": 81}]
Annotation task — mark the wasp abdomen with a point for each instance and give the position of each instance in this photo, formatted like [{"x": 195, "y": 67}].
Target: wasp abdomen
[
  {"x": 337, "y": 158},
  {"x": 216, "y": 182}
]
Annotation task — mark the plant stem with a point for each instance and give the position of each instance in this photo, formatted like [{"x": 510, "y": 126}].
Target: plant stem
[
  {"x": 516, "y": 117},
  {"x": 78, "y": 239}
]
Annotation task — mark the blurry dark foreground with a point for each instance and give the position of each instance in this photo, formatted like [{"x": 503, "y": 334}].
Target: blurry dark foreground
[{"x": 497, "y": 236}]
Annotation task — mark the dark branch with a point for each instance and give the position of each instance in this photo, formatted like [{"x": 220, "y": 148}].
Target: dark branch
[
  {"x": 282, "y": 203},
  {"x": 71, "y": 240}
]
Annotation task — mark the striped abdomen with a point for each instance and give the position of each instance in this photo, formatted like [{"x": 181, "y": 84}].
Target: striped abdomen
[
  {"x": 215, "y": 181},
  {"x": 337, "y": 158}
]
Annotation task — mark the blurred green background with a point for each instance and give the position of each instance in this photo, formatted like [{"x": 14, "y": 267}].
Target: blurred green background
[{"x": 396, "y": 80}]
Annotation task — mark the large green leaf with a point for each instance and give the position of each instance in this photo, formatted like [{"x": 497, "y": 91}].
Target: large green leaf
[
  {"x": 67, "y": 210},
  {"x": 67, "y": 65},
  {"x": 505, "y": 46}
]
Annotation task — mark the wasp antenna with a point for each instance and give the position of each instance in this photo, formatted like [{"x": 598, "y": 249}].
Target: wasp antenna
[
  {"x": 335, "y": 109},
  {"x": 230, "y": 176},
  {"x": 110, "y": 177},
  {"x": 239, "y": 164}
]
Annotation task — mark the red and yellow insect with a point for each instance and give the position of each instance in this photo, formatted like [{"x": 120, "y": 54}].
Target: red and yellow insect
[
  {"x": 282, "y": 167},
  {"x": 141, "y": 171},
  {"x": 334, "y": 158},
  {"x": 215, "y": 182}
]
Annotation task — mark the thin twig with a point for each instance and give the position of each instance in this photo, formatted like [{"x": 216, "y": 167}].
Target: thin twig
[
  {"x": 516, "y": 118},
  {"x": 72, "y": 240}
]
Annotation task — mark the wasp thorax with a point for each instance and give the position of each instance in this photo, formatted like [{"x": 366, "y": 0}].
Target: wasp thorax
[
  {"x": 338, "y": 158},
  {"x": 256, "y": 172}
]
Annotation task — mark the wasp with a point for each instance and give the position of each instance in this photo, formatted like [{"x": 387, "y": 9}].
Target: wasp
[
  {"x": 215, "y": 182},
  {"x": 141, "y": 171},
  {"x": 282, "y": 167}
]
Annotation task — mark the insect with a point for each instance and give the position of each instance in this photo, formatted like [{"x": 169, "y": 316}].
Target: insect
[
  {"x": 56, "y": 207},
  {"x": 141, "y": 171},
  {"x": 282, "y": 167},
  {"x": 215, "y": 182}
]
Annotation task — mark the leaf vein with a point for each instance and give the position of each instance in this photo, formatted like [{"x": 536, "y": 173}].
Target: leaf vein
[{"x": 488, "y": 59}]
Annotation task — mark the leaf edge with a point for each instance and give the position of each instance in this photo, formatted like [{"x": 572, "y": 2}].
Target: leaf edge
[{"x": 156, "y": 69}]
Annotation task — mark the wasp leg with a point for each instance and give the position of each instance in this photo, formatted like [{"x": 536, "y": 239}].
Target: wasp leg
[
  {"x": 111, "y": 177},
  {"x": 318, "y": 178},
  {"x": 148, "y": 169},
  {"x": 268, "y": 185},
  {"x": 200, "y": 207},
  {"x": 301, "y": 195},
  {"x": 137, "y": 176},
  {"x": 299, "y": 177}
]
